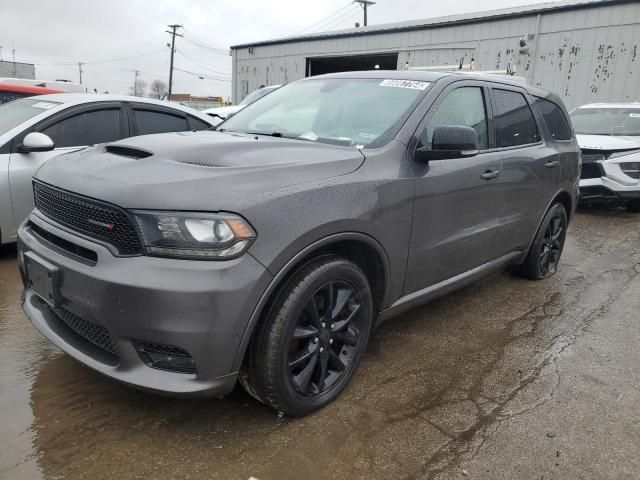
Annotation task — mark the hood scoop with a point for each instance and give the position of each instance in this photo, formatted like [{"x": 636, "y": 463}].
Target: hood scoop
[{"x": 125, "y": 151}]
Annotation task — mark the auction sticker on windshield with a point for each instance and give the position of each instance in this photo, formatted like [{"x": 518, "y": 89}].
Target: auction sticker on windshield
[{"x": 414, "y": 84}]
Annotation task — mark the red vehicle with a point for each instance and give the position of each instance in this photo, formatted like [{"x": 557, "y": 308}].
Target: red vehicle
[{"x": 9, "y": 92}]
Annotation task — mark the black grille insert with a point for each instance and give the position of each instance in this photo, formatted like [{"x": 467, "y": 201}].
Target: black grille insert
[
  {"x": 90, "y": 257},
  {"x": 92, "y": 332},
  {"x": 591, "y": 170},
  {"x": 95, "y": 219}
]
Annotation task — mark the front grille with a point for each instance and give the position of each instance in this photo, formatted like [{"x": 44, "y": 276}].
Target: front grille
[
  {"x": 92, "y": 332},
  {"x": 96, "y": 219},
  {"x": 591, "y": 170}
]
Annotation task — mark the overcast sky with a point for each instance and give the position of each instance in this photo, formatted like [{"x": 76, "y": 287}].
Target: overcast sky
[{"x": 56, "y": 35}]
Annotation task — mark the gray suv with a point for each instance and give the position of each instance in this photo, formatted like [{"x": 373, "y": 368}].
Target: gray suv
[{"x": 268, "y": 250}]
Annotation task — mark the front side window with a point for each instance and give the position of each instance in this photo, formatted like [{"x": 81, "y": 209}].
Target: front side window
[
  {"x": 513, "y": 119},
  {"x": 89, "y": 128},
  {"x": 149, "y": 121},
  {"x": 339, "y": 111},
  {"x": 463, "y": 107},
  {"x": 554, "y": 118},
  {"x": 606, "y": 121}
]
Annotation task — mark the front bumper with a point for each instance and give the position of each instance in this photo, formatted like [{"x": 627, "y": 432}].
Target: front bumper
[
  {"x": 604, "y": 189},
  {"x": 201, "y": 307}
]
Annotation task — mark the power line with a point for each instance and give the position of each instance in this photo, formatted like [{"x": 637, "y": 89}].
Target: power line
[
  {"x": 203, "y": 75},
  {"x": 192, "y": 39},
  {"x": 202, "y": 65},
  {"x": 104, "y": 61},
  {"x": 338, "y": 21},
  {"x": 339, "y": 11}
]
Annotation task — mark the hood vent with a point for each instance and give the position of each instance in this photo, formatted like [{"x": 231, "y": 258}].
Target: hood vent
[
  {"x": 127, "y": 151},
  {"x": 204, "y": 164}
]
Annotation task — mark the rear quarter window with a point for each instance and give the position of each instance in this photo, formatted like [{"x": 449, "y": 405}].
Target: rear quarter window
[
  {"x": 554, "y": 118},
  {"x": 152, "y": 121},
  {"x": 513, "y": 119}
]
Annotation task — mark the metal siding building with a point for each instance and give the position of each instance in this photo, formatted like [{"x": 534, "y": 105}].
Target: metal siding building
[
  {"x": 17, "y": 70},
  {"x": 584, "y": 51}
]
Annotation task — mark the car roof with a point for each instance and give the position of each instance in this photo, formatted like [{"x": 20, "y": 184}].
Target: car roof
[
  {"x": 11, "y": 87},
  {"x": 613, "y": 105},
  {"x": 431, "y": 76},
  {"x": 69, "y": 99}
]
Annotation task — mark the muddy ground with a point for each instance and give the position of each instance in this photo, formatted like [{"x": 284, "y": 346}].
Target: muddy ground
[{"x": 505, "y": 379}]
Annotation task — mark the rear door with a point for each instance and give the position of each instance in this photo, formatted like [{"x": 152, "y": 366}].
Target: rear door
[
  {"x": 456, "y": 210},
  {"x": 530, "y": 173},
  {"x": 70, "y": 130}
]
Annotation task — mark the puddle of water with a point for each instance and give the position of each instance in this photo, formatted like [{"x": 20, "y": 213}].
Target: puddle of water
[{"x": 21, "y": 351}]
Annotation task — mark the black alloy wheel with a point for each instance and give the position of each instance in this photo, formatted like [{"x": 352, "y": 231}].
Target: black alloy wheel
[
  {"x": 325, "y": 338},
  {"x": 307, "y": 347},
  {"x": 545, "y": 251},
  {"x": 552, "y": 243}
]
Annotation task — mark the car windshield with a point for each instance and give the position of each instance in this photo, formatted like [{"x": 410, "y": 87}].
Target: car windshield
[
  {"x": 14, "y": 113},
  {"x": 340, "y": 111},
  {"x": 606, "y": 121},
  {"x": 256, "y": 95}
]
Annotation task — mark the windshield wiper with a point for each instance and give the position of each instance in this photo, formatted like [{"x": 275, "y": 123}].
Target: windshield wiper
[{"x": 280, "y": 135}]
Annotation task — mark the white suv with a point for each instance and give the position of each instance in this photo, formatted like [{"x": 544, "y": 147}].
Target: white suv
[{"x": 609, "y": 137}]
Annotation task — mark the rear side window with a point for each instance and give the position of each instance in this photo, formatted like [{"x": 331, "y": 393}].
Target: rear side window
[
  {"x": 149, "y": 121},
  {"x": 90, "y": 128},
  {"x": 197, "y": 124},
  {"x": 554, "y": 118},
  {"x": 513, "y": 120},
  {"x": 464, "y": 107}
]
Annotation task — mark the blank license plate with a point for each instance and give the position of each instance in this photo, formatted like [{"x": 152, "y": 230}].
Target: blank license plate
[{"x": 42, "y": 278}]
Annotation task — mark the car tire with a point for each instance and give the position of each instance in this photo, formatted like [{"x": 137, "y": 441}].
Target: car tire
[
  {"x": 546, "y": 249},
  {"x": 634, "y": 205},
  {"x": 299, "y": 361}
]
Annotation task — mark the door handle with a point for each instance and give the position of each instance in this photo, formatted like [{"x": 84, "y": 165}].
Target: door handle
[
  {"x": 551, "y": 164},
  {"x": 490, "y": 174}
]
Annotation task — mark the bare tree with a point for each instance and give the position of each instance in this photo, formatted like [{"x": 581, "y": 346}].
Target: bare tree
[
  {"x": 139, "y": 88},
  {"x": 158, "y": 89}
]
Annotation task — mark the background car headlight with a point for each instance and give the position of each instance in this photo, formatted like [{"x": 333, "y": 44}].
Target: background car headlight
[{"x": 205, "y": 236}]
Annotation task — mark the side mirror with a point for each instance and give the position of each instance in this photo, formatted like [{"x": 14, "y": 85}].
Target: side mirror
[
  {"x": 36, "y": 142},
  {"x": 450, "y": 141}
]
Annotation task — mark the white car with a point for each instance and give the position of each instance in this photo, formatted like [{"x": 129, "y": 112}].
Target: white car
[
  {"x": 35, "y": 129},
  {"x": 609, "y": 137},
  {"x": 221, "y": 113}
]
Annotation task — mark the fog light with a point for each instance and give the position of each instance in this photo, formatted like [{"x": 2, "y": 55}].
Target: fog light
[{"x": 166, "y": 357}]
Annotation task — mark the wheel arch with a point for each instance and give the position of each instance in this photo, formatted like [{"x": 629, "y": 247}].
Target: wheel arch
[
  {"x": 358, "y": 247},
  {"x": 562, "y": 197}
]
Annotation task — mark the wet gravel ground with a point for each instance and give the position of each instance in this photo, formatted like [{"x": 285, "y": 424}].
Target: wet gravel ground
[{"x": 505, "y": 379}]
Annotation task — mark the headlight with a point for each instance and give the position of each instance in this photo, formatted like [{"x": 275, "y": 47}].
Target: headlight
[
  {"x": 622, "y": 153},
  {"x": 204, "y": 236}
]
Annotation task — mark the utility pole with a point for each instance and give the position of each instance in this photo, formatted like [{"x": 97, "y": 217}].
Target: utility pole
[
  {"x": 135, "y": 84},
  {"x": 173, "y": 34},
  {"x": 364, "y": 4},
  {"x": 80, "y": 71}
]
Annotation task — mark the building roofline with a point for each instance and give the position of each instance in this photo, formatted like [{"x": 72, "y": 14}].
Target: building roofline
[
  {"x": 475, "y": 17},
  {"x": 17, "y": 63}
]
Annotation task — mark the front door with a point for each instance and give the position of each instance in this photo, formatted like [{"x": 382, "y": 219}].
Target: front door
[
  {"x": 457, "y": 201},
  {"x": 70, "y": 131}
]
